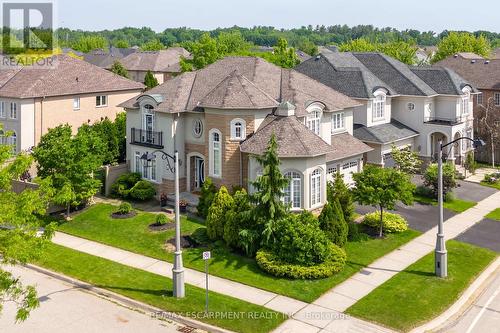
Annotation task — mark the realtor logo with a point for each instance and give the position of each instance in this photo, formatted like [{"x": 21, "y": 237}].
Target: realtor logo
[{"x": 27, "y": 26}]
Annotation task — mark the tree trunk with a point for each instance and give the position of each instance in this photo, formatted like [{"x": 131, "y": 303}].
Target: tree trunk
[
  {"x": 68, "y": 207},
  {"x": 492, "y": 152},
  {"x": 381, "y": 232}
]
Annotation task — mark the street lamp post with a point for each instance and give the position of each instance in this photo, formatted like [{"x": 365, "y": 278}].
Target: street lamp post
[
  {"x": 441, "y": 255},
  {"x": 178, "y": 269}
]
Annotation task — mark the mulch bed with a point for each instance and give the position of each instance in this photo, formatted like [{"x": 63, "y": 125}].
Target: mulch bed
[
  {"x": 186, "y": 242},
  {"x": 123, "y": 216},
  {"x": 161, "y": 227}
]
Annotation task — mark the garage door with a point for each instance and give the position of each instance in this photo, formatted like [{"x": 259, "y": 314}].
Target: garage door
[
  {"x": 389, "y": 161},
  {"x": 347, "y": 169}
]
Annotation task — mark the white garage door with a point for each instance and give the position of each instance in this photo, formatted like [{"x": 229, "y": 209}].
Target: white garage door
[{"x": 347, "y": 169}]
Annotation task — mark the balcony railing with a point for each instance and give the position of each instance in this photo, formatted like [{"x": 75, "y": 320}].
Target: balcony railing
[
  {"x": 146, "y": 138},
  {"x": 445, "y": 121}
]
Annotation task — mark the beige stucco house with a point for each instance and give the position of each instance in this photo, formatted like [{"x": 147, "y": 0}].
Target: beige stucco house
[
  {"x": 63, "y": 90},
  {"x": 406, "y": 106},
  {"x": 220, "y": 117}
]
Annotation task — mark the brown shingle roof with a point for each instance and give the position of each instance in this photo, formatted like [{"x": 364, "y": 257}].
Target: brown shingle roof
[
  {"x": 483, "y": 73},
  {"x": 293, "y": 137},
  {"x": 259, "y": 82},
  {"x": 345, "y": 145},
  {"x": 67, "y": 76},
  {"x": 155, "y": 61}
]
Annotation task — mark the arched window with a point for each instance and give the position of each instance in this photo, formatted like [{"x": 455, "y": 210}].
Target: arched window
[
  {"x": 314, "y": 121},
  {"x": 316, "y": 187},
  {"x": 293, "y": 192},
  {"x": 13, "y": 140},
  {"x": 215, "y": 153},
  {"x": 2, "y": 137},
  {"x": 238, "y": 129},
  {"x": 379, "y": 107}
]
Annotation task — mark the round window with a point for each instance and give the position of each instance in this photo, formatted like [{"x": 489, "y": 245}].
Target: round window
[
  {"x": 411, "y": 106},
  {"x": 197, "y": 128}
]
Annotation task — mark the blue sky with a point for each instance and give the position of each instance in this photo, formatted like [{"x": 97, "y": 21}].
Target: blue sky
[{"x": 435, "y": 15}]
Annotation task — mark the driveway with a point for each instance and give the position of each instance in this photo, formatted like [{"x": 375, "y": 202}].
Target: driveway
[
  {"x": 420, "y": 217},
  {"x": 465, "y": 190},
  {"x": 484, "y": 234},
  {"x": 65, "y": 308}
]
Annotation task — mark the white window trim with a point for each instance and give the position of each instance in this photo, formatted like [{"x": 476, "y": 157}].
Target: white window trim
[
  {"x": 289, "y": 174},
  {"x": 315, "y": 198},
  {"x": 464, "y": 103},
  {"x": 479, "y": 98},
  {"x": 3, "y": 114},
  {"x": 13, "y": 110},
  {"x": 100, "y": 97},
  {"x": 379, "y": 100},
  {"x": 313, "y": 120},
  {"x": 211, "y": 153},
  {"x": 77, "y": 100},
  {"x": 342, "y": 122},
  {"x": 13, "y": 140},
  {"x": 197, "y": 122},
  {"x": 233, "y": 129},
  {"x": 137, "y": 163}
]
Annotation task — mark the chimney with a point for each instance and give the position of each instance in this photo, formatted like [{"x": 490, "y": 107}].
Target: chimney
[{"x": 285, "y": 109}]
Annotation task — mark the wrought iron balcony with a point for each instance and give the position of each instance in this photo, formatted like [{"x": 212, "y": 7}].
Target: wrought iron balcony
[
  {"x": 146, "y": 138},
  {"x": 445, "y": 121}
]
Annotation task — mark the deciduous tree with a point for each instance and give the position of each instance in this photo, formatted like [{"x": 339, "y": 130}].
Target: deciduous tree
[
  {"x": 456, "y": 42},
  {"x": 406, "y": 160}
]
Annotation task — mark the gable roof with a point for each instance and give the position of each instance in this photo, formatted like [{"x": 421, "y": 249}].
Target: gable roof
[
  {"x": 155, "y": 61},
  {"x": 67, "y": 76},
  {"x": 483, "y": 73},
  {"x": 293, "y": 137},
  {"x": 359, "y": 74},
  {"x": 384, "y": 133},
  {"x": 244, "y": 82},
  {"x": 105, "y": 59},
  {"x": 345, "y": 145}
]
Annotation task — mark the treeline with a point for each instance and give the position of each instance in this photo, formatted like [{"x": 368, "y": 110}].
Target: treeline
[{"x": 301, "y": 38}]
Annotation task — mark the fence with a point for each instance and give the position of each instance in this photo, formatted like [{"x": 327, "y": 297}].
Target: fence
[{"x": 110, "y": 174}]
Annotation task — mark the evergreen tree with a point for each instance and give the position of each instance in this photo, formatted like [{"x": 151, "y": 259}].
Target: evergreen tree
[
  {"x": 208, "y": 191},
  {"x": 236, "y": 219},
  {"x": 149, "y": 80},
  {"x": 118, "y": 68},
  {"x": 216, "y": 218},
  {"x": 338, "y": 190},
  {"x": 331, "y": 221},
  {"x": 269, "y": 189}
]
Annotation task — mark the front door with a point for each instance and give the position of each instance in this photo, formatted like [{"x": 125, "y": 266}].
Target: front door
[{"x": 199, "y": 172}]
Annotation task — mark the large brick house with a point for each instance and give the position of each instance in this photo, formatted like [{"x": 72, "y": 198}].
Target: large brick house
[
  {"x": 407, "y": 106},
  {"x": 219, "y": 117},
  {"x": 485, "y": 75},
  {"x": 60, "y": 90}
]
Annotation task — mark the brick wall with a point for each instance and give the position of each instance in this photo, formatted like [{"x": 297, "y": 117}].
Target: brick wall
[{"x": 484, "y": 154}]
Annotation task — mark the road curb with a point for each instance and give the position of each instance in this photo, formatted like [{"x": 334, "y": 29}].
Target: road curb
[
  {"x": 465, "y": 300},
  {"x": 127, "y": 302}
]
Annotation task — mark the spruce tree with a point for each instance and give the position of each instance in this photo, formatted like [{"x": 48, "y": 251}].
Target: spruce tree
[
  {"x": 150, "y": 81},
  {"x": 338, "y": 190},
  {"x": 332, "y": 222},
  {"x": 118, "y": 68},
  {"x": 216, "y": 218}
]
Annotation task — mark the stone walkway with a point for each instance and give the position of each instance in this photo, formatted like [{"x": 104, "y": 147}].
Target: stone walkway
[
  {"x": 324, "y": 314},
  {"x": 479, "y": 174}
]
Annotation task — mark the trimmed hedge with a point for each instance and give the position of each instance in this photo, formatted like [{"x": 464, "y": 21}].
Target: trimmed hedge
[
  {"x": 392, "y": 222},
  {"x": 270, "y": 263},
  {"x": 142, "y": 190}
]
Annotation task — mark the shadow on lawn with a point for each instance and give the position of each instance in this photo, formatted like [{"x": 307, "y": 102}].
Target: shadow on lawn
[{"x": 153, "y": 292}]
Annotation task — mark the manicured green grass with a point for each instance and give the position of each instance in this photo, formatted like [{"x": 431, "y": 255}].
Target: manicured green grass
[
  {"x": 416, "y": 295},
  {"x": 133, "y": 235},
  {"x": 157, "y": 290},
  {"x": 494, "y": 185},
  {"x": 494, "y": 215},
  {"x": 455, "y": 205}
]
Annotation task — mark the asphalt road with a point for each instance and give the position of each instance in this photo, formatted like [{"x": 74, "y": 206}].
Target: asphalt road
[
  {"x": 484, "y": 234},
  {"x": 483, "y": 316},
  {"x": 64, "y": 308}
]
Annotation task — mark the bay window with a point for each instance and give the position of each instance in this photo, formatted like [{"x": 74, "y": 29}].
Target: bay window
[{"x": 315, "y": 187}]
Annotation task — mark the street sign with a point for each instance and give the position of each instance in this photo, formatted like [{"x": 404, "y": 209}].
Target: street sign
[{"x": 206, "y": 255}]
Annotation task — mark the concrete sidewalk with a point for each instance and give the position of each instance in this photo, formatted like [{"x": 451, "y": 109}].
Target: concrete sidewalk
[{"x": 346, "y": 294}]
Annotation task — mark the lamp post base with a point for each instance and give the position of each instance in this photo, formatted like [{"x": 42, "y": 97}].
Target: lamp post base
[
  {"x": 441, "y": 260},
  {"x": 178, "y": 276}
]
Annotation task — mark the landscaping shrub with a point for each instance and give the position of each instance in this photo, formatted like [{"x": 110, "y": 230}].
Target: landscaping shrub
[
  {"x": 208, "y": 191},
  {"x": 200, "y": 236},
  {"x": 431, "y": 178},
  {"x": 271, "y": 263},
  {"x": 331, "y": 221},
  {"x": 492, "y": 178},
  {"x": 424, "y": 191},
  {"x": 237, "y": 219},
  {"x": 121, "y": 187},
  {"x": 392, "y": 222},
  {"x": 216, "y": 218},
  {"x": 124, "y": 208},
  {"x": 300, "y": 241},
  {"x": 142, "y": 190},
  {"x": 355, "y": 233},
  {"x": 339, "y": 190},
  {"x": 161, "y": 219}
]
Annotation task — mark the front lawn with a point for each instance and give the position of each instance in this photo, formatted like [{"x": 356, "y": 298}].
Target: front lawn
[
  {"x": 416, "y": 295},
  {"x": 493, "y": 185},
  {"x": 494, "y": 215},
  {"x": 156, "y": 290},
  {"x": 133, "y": 235},
  {"x": 455, "y": 205}
]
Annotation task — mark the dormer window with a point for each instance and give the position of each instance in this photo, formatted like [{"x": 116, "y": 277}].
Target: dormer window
[
  {"x": 238, "y": 129},
  {"x": 379, "y": 107},
  {"x": 314, "y": 121},
  {"x": 148, "y": 118}
]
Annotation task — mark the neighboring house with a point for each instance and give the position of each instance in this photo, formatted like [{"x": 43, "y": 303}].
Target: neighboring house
[
  {"x": 219, "y": 117},
  {"x": 484, "y": 74},
  {"x": 36, "y": 98},
  {"x": 410, "y": 107},
  {"x": 164, "y": 64},
  {"x": 106, "y": 58}
]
